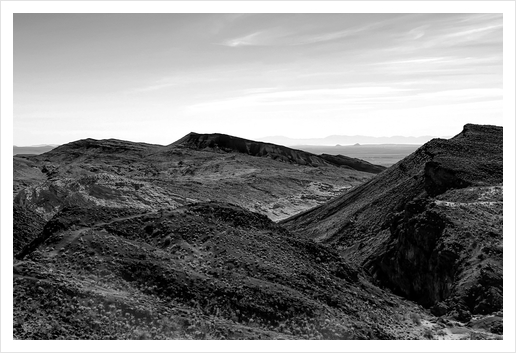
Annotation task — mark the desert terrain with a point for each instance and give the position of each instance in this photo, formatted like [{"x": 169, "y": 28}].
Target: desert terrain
[{"x": 218, "y": 237}]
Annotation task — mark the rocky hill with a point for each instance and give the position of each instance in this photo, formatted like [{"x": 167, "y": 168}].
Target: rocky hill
[
  {"x": 430, "y": 227},
  {"x": 109, "y": 150},
  {"x": 262, "y": 149},
  {"x": 125, "y": 174},
  {"x": 203, "y": 271}
]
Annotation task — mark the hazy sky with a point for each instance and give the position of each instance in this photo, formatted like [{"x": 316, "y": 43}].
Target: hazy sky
[{"x": 156, "y": 77}]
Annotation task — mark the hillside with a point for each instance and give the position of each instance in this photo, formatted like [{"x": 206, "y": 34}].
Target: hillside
[
  {"x": 276, "y": 152},
  {"x": 419, "y": 226},
  {"x": 26, "y": 227},
  {"x": 124, "y": 174},
  {"x": 116, "y": 239},
  {"x": 203, "y": 271}
]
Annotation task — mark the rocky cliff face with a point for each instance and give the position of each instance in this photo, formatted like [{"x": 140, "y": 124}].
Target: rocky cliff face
[{"x": 446, "y": 253}]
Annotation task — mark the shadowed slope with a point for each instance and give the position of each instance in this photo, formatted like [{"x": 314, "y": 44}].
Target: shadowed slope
[
  {"x": 419, "y": 226},
  {"x": 435, "y": 167}
]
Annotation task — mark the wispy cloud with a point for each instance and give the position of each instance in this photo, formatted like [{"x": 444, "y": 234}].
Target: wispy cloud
[
  {"x": 470, "y": 94},
  {"x": 437, "y": 66},
  {"x": 255, "y": 38},
  {"x": 417, "y": 32},
  {"x": 264, "y": 97},
  {"x": 325, "y": 37},
  {"x": 476, "y": 31},
  {"x": 154, "y": 87},
  {"x": 349, "y": 97},
  {"x": 301, "y": 36},
  {"x": 416, "y": 61}
]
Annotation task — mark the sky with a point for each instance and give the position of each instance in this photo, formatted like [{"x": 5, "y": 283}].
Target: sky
[{"x": 156, "y": 77}]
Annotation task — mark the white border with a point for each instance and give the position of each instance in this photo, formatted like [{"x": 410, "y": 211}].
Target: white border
[{"x": 9, "y": 7}]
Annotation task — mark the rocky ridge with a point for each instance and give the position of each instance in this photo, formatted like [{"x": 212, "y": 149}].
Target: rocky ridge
[
  {"x": 430, "y": 227},
  {"x": 229, "y": 143}
]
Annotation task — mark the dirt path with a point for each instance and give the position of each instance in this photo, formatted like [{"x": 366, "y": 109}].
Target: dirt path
[
  {"x": 102, "y": 224},
  {"x": 70, "y": 237}
]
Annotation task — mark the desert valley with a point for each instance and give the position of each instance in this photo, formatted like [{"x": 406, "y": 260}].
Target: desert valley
[{"x": 219, "y": 237}]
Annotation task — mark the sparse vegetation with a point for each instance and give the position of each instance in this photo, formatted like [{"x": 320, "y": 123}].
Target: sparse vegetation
[
  {"x": 128, "y": 254},
  {"x": 416, "y": 318},
  {"x": 428, "y": 334}
]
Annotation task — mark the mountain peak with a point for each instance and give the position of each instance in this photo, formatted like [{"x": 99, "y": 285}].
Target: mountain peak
[{"x": 228, "y": 143}]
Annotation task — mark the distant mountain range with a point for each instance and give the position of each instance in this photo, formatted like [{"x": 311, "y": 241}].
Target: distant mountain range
[
  {"x": 347, "y": 140},
  {"x": 37, "y": 149},
  {"x": 332, "y": 140}
]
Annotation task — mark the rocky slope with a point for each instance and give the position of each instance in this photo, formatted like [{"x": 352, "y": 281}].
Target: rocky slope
[
  {"x": 430, "y": 227},
  {"x": 124, "y": 240},
  {"x": 26, "y": 173},
  {"x": 26, "y": 227},
  {"x": 122, "y": 174},
  {"x": 203, "y": 271},
  {"x": 262, "y": 149}
]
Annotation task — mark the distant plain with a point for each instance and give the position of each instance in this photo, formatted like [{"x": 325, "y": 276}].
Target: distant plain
[{"x": 381, "y": 154}]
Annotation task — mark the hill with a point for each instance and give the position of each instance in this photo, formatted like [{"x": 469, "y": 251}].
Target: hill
[
  {"x": 420, "y": 226},
  {"x": 202, "y": 271},
  {"x": 276, "y": 152},
  {"x": 275, "y": 181}
]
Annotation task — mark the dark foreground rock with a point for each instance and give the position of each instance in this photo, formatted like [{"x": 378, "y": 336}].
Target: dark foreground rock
[{"x": 204, "y": 271}]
